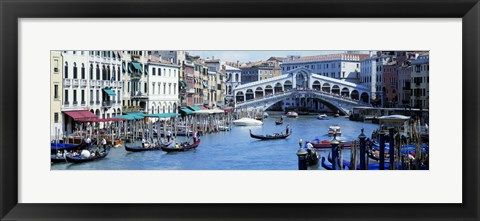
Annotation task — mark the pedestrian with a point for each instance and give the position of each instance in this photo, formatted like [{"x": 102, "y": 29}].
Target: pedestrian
[{"x": 104, "y": 144}]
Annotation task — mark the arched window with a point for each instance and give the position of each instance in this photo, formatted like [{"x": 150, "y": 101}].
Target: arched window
[
  {"x": 74, "y": 70},
  {"x": 104, "y": 73},
  {"x": 66, "y": 70},
  {"x": 108, "y": 74},
  {"x": 113, "y": 73},
  {"x": 91, "y": 71},
  {"x": 83, "y": 71},
  {"x": 97, "y": 70}
]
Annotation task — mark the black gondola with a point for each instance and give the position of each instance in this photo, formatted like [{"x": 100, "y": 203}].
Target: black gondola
[
  {"x": 140, "y": 148},
  {"x": 80, "y": 159},
  {"x": 270, "y": 137},
  {"x": 278, "y": 122},
  {"x": 182, "y": 147},
  {"x": 327, "y": 167},
  {"x": 57, "y": 159}
]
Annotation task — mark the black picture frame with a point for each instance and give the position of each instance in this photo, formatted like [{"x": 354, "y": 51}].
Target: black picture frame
[{"x": 11, "y": 11}]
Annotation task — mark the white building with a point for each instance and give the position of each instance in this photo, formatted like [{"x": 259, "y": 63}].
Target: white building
[
  {"x": 420, "y": 82},
  {"x": 56, "y": 77},
  {"x": 163, "y": 93},
  {"x": 91, "y": 83},
  {"x": 340, "y": 66},
  {"x": 233, "y": 79}
]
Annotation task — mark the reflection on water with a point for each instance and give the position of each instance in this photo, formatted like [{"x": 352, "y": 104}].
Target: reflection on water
[{"x": 233, "y": 150}]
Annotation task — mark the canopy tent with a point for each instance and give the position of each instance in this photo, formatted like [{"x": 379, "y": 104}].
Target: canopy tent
[
  {"x": 164, "y": 115},
  {"x": 97, "y": 120},
  {"x": 110, "y": 92},
  {"x": 132, "y": 116},
  {"x": 194, "y": 108},
  {"x": 186, "y": 110},
  {"x": 211, "y": 111},
  {"x": 80, "y": 114}
]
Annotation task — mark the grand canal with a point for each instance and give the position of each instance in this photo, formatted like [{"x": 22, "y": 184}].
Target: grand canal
[{"x": 233, "y": 150}]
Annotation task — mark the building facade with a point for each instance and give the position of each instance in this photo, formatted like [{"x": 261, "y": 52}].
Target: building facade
[
  {"x": 56, "y": 93},
  {"x": 340, "y": 66},
  {"x": 162, "y": 87},
  {"x": 390, "y": 84},
  {"x": 420, "y": 82}
]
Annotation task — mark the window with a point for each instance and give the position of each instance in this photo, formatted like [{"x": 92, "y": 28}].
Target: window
[
  {"x": 145, "y": 87},
  {"x": 174, "y": 73},
  {"x": 169, "y": 72},
  {"x": 118, "y": 73},
  {"x": 169, "y": 88},
  {"x": 164, "y": 88},
  {"x": 83, "y": 97},
  {"x": 153, "y": 71},
  {"x": 55, "y": 91},
  {"x": 65, "y": 97},
  {"x": 74, "y": 70},
  {"x": 98, "y": 97},
  {"x": 97, "y": 70},
  {"x": 55, "y": 66},
  {"x": 66, "y": 70},
  {"x": 153, "y": 87},
  {"x": 91, "y": 71},
  {"x": 55, "y": 117},
  {"x": 74, "y": 97},
  {"x": 174, "y": 88},
  {"x": 91, "y": 96},
  {"x": 83, "y": 71}
]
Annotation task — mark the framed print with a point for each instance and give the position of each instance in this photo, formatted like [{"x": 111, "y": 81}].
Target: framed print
[{"x": 239, "y": 110}]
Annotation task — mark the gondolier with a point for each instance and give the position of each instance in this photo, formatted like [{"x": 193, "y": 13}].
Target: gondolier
[
  {"x": 104, "y": 144},
  {"x": 288, "y": 128}
]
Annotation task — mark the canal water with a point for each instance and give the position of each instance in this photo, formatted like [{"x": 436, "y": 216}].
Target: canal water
[{"x": 235, "y": 149}]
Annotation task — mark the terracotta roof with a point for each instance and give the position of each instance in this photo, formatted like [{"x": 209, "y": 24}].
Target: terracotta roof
[{"x": 344, "y": 56}]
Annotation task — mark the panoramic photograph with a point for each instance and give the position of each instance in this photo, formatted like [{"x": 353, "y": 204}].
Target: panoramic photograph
[{"x": 239, "y": 110}]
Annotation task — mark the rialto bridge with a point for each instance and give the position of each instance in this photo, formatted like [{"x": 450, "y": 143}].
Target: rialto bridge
[{"x": 303, "y": 85}]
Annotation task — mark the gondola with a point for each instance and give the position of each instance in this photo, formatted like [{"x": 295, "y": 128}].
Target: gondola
[
  {"x": 80, "y": 159},
  {"x": 185, "y": 146},
  {"x": 324, "y": 165},
  {"x": 65, "y": 146},
  {"x": 57, "y": 159},
  {"x": 326, "y": 144},
  {"x": 278, "y": 122},
  {"x": 140, "y": 148},
  {"x": 270, "y": 137}
]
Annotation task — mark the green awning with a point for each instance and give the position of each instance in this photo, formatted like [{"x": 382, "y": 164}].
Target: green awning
[
  {"x": 138, "y": 66},
  {"x": 136, "y": 115},
  {"x": 109, "y": 92},
  {"x": 127, "y": 117},
  {"x": 183, "y": 84},
  {"x": 186, "y": 110},
  {"x": 195, "y": 108},
  {"x": 164, "y": 115}
]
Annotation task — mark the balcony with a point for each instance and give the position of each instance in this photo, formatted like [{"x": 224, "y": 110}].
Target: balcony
[
  {"x": 99, "y": 83},
  {"x": 92, "y": 102},
  {"x": 75, "y": 103},
  {"x": 83, "y": 103},
  {"x": 106, "y": 83},
  {"x": 98, "y": 102},
  {"x": 67, "y": 82},
  {"x": 138, "y": 95},
  {"x": 191, "y": 91},
  {"x": 75, "y": 82},
  {"x": 92, "y": 83},
  {"x": 83, "y": 83}
]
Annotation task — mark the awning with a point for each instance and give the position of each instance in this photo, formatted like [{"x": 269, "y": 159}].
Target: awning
[
  {"x": 203, "y": 107},
  {"x": 96, "y": 120},
  {"x": 109, "y": 92},
  {"x": 212, "y": 111},
  {"x": 164, "y": 115},
  {"x": 80, "y": 114},
  {"x": 138, "y": 66},
  {"x": 186, "y": 110},
  {"x": 183, "y": 84},
  {"x": 194, "y": 108}
]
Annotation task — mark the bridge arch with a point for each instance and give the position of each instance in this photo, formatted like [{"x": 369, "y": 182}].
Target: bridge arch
[
  {"x": 240, "y": 97},
  {"x": 278, "y": 88},
  {"x": 355, "y": 95},
  {"x": 326, "y": 87},
  {"x": 302, "y": 79},
  {"x": 335, "y": 89},
  {"x": 316, "y": 85},
  {"x": 364, "y": 97},
  {"x": 259, "y": 92},
  {"x": 287, "y": 85},
  {"x": 249, "y": 95},
  {"x": 268, "y": 90},
  {"x": 345, "y": 92}
]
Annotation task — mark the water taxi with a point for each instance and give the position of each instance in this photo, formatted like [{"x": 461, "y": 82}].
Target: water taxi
[
  {"x": 247, "y": 122},
  {"x": 334, "y": 128}
]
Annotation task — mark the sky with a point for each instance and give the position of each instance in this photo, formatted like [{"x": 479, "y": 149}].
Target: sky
[{"x": 244, "y": 56}]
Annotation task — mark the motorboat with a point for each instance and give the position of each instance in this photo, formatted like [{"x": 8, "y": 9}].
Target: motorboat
[
  {"x": 292, "y": 114},
  {"x": 334, "y": 128},
  {"x": 322, "y": 117},
  {"x": 247, "y": 122}
]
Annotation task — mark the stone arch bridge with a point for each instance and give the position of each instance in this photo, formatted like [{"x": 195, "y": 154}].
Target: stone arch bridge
[{"x": 301, "y": 83}]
